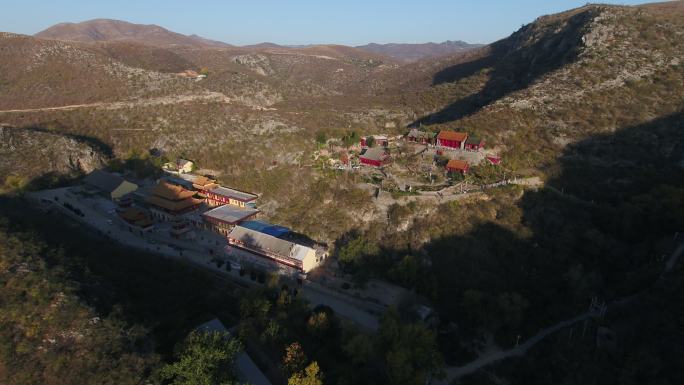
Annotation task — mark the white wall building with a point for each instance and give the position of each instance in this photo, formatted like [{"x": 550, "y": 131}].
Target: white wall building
[
  {"x": 184, "y": 165},
  {"x": 248, "y": 246}
]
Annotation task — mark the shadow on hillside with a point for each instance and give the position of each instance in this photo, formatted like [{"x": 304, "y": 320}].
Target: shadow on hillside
[
  {"x": 598, "y": 230},
  {"x": 167, "y": 297},
  {"x": 623, "y": 193},
  {"x": 95, "y": 143},
  {"x": 513, "y": 65},
  {"x": 626, "y": 163},
  {"x": 52, "y": 179}
]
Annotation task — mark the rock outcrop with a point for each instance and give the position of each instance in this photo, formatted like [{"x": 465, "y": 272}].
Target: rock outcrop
[{"x": 30, "y": 152}]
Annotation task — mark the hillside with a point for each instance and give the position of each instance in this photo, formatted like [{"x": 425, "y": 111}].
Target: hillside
[
  {"x": 588, "y": 102},
  {"x": 48, "y": 73},
  {"x": 56, "y": 322},
  {"x": 591, "y": 101},
  {"x": 590, "y": 70},
  {"x": 413, "y": 52},
  {"x": 117, "y": 30},
  {"x": 59, "y": 154},
  {"x": 564, "y": 77},
  {"x": 144, "y": 56}
]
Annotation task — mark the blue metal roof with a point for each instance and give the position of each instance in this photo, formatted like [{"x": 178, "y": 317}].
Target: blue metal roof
[{"x": 266, "y": 228}]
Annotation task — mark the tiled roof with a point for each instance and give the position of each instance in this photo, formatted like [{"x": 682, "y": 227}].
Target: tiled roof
[
  {"x": 133, "y": 214},
  {"x": 171, "y": 192},
  {"x": 473, "y": 140},
  {"x": 203, "y": 181},
  {"x": 235, "y": 194},
  {"x": 375, "y": 153},
  {"x": 171, "y": 205},
  {"x": 414, "y": 133},
  {"x": 456, "y": 164},
  {"x": 453, "y": 135}
]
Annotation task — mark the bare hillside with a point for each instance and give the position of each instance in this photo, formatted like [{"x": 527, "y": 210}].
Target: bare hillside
[
  {"x": 558, "y": 80},
  {"x": 413, "y": 52},
  {"x": 49, "y": 73},
  {"x": 117, "y": 30},
  {"x": 564, "y": 77}
]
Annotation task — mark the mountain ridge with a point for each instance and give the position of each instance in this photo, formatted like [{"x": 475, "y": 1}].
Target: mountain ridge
[
  {"x": 410, "y": 52},
  {"x": 98, "y": 30},
  {"x": 508, "y": 91},
  {"x": 112, "y": 30}
]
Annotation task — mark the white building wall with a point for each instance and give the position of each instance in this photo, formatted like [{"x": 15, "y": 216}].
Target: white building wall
[
  {"x": 246, "y": 259},
  {"x": 309, "y": 262}
]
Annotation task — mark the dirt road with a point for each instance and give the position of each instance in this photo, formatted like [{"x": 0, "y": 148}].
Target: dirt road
[{"x": 164, "y": 100}]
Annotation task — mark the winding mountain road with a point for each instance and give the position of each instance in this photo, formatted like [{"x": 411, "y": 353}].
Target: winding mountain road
[
  {"x": 455, "y": 372},
  {"x": 520, "y": 350},
  {"x": 164, "y": 100},
  {"x": 672, "y": 261}
]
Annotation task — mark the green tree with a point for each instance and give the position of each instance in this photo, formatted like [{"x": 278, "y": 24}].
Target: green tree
[
  {"x": 370, "y": 141},
  {"x": 204, "y": 359},
  {"x": 407, "y": 272},
  {"x": 321, "y": 138},
  {"x": 512, "y": 307},
  {"x": 271, "y": 333},
  {"x": 355, "y": 250},
  {"x": 318, "y": 324},
  {"x": 350, "y": 139},
  {"x": 359, "y": 349},
  {"x": 410, "y": 351},
  {"x": 456, "y": 176},
  {"x": 254, "y": 307},
  {"x": 284, "y": 299},
  {"x": 441, "y": 160},
  {"x": 312, "y": 375},
  {"x": 294, "y": 358},
  {"x": 478, "y": 309}
]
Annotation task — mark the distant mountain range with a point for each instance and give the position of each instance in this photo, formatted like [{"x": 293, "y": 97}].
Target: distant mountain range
[
  {"x": 107, "y": 30},
  {"x": 413, "y": 52}
]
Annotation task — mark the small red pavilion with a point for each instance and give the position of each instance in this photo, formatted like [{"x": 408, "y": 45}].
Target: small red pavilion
[
  {"x": 455, "y": 165},
  {"x": 374, "y": 156},
  {"x": 474, "y": 143},
  {"x": 452, "y": 139}
]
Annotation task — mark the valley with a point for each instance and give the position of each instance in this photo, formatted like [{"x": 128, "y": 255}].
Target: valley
[{"x": 468, "y": 205}]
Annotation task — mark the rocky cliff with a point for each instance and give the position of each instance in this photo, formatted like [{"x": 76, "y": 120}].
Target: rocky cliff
[{"x": 29, "y": 152}]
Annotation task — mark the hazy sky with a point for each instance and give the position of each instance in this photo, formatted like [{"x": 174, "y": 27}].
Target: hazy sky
[{"x": 351, "y": 22}]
